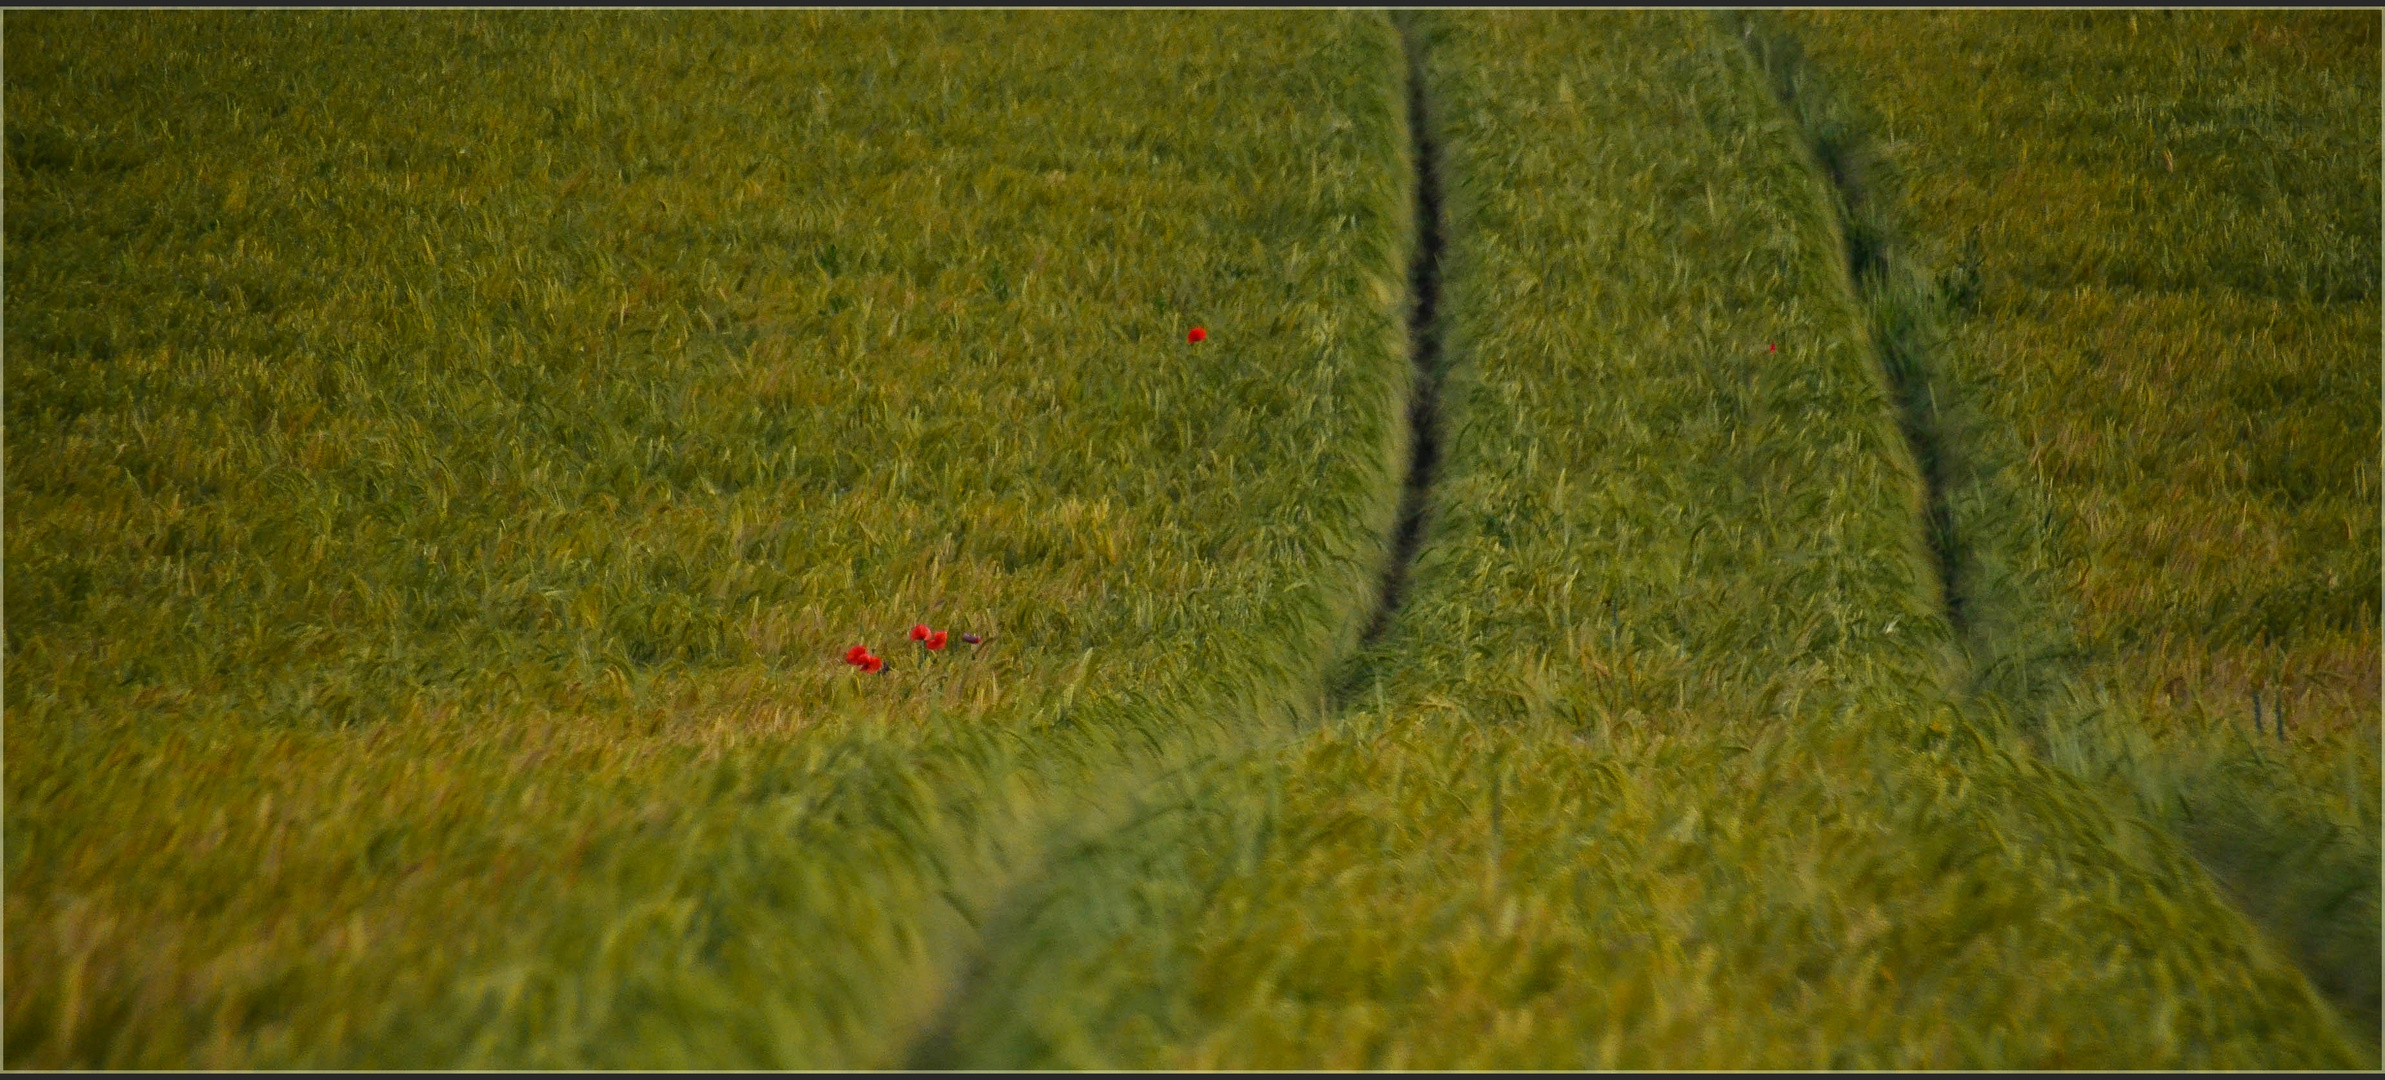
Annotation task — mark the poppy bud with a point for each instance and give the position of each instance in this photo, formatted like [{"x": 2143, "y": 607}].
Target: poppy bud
[
  {"x": 936, "y": 640},
  {"x": 1195, "y": 335},
  {"x": 971, "y": 638}
]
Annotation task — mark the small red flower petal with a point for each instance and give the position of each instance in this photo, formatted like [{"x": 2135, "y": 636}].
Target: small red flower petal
[
  {"x": 919, "y": 631},
  {"x": 1775, "y": 347},
  {"x": 872, "y": 665},
  {"x": 856, "y": 654},
  {"x": 1195, "y": 335},
  {"x": 936, "y": 640}
]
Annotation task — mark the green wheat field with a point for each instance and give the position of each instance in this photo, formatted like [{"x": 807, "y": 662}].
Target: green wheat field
[{"x": 1460, "y": 539}]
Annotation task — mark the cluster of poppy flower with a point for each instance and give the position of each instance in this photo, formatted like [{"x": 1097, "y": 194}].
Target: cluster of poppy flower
[{"x": 861, "y": 657}]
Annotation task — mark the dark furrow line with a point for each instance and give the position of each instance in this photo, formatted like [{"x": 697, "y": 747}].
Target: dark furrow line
[
  {"x": 1424, "y": 348},
  {"x": 1896, "y": 308}
]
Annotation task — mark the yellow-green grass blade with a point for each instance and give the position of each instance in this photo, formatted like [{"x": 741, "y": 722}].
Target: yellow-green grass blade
[
  {"x": 448, "y": 454},
  {"x": 1665, "y": 763}
]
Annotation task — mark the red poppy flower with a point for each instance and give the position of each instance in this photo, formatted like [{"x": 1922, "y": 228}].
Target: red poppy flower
[
  {"x": 1195, "y": 335},
  {"x": 871, "y": 664},
  {"x": 856, "y": 654},
  {"x": 1774, "y": 347},
  {"x": 919, "y": 631},
  {"x": 971, "y": 638},
  {"x": 936, "y": 640}
]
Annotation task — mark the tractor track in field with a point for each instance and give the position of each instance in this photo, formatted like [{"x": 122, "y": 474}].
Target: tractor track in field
[
  {"x": 1847, "y": 158},
  {"x": 1424, "y": 350},
  {"x": 938, "y": 1045}
]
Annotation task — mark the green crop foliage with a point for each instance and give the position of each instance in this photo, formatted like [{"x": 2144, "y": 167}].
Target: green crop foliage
[
  {"x": 448, "y": 454},
  {"x": 2145, "y": 254},
  {"x": 1669, "y": 761}
]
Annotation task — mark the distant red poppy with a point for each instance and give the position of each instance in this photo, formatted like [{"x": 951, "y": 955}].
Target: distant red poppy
[
  {"x": 871, "y": 664},
  {"x": 857, "y": 654},
  {"x": 971, "y": 638},
  {"x": 936, "y": 640},
  {"x": 1195, "y": 335},
  {"x": 919, "y": 631},
  {"x": 1774, "y": 347}
]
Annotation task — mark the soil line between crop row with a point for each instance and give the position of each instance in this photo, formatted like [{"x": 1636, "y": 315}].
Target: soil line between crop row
[{"x": 1424, "y": 348}]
